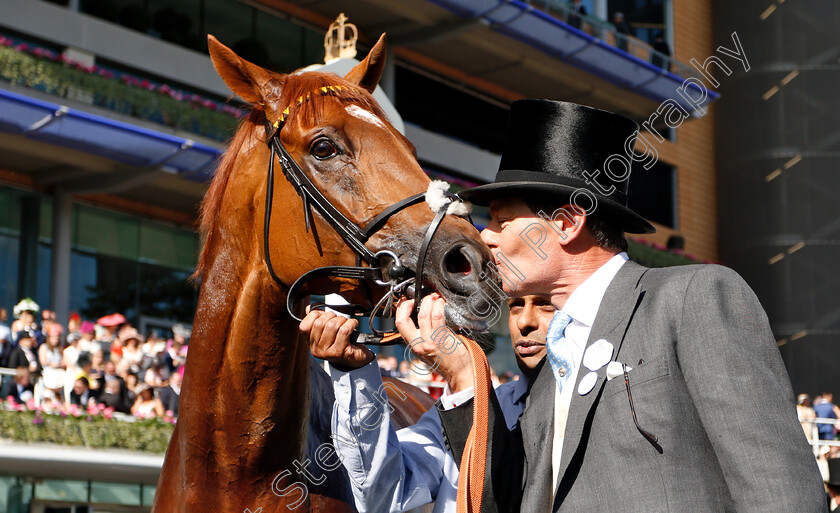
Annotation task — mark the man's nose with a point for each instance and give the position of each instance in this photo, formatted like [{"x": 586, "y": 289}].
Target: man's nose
[
  {"x": 528, "y": 321},
  {"x": 489, "y": 237}
]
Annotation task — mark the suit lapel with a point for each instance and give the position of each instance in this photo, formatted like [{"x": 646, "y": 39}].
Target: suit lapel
[
  {"x": 614, "y": 314},
  {"x": 536, "y": 423}
]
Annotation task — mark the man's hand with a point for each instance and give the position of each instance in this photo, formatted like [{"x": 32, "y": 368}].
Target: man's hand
[
  {"x": 434, "y": 343},
  {"x": 329, "y": 338}
]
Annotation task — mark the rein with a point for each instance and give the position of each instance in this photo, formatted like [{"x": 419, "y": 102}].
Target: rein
[{"x": 354, "y": 236}]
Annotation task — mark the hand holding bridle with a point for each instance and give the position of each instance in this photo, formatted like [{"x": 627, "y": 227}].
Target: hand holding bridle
[
  {"x": 433, "y": 342},
  {"x": 329, "y": 338}
]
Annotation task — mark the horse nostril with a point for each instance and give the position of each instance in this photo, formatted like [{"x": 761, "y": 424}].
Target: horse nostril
[{"x": 455, "y": 262}]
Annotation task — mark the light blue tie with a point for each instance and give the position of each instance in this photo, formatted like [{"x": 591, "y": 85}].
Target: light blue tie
[{"x": 559, "y": 355}]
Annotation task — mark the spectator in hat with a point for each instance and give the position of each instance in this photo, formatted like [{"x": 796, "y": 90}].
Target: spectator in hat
[
  {"x": 132, "y": 384},
  {"x": 110, "y": 326},
  {"x": 26, "y": 324},
  {"x": 51, "y": 359},
  {"x": 806, "y": 414},
  {"x": 24, "y": 355},
  {"x": 80, "y": 394},
  {"x": 20, "y": 387},
  {"x": 172, "y": 358},
  {"x": 155, "y": 375},
  {"x": 73, "y": 323},
  {"x": 87, "y": 338},
  {"x": 147, "y": 405},
  {"x": 170, "y": 395},
  {"x": 132, "y": 354},
  {"x": 113, "y": 397}
]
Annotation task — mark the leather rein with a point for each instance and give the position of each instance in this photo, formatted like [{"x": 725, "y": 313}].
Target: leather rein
[{"x": 395, "y": 275}]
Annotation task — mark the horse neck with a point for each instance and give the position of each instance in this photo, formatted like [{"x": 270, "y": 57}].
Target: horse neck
[{"x": 246, "y": 383}]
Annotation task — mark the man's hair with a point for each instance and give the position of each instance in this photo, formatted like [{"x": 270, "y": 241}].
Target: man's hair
[{"x": 607, "y": 234}]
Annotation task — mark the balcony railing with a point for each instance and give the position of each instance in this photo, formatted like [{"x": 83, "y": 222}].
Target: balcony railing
[
  {"x": 606, "y": 32},
  {"x": 42, "y": 69}
]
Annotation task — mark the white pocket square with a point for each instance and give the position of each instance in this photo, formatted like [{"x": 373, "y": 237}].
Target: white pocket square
[{"x": 616, "y": 369}]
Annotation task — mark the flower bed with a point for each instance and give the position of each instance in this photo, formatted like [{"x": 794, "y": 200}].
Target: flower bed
[
  {"x": 93, "y": 428},
  {"x": 44, "y": 70}
]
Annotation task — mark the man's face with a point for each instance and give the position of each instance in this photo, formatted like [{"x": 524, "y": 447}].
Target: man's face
[
  {"x": 528, "y": 323},
  {"x": 529, "y": 245}
]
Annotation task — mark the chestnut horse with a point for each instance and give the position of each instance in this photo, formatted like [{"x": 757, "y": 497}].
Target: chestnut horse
[{"x": 245, "y": 437}]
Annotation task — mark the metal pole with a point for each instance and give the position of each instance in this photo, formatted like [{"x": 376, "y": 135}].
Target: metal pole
[{"x": 62, "y": 234}]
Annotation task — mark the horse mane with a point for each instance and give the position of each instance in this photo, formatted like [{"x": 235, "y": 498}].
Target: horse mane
[{"x": 302, "y": 93}]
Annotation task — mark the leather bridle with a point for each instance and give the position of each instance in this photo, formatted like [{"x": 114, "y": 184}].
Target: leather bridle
[{"x": 355, "y": 237}]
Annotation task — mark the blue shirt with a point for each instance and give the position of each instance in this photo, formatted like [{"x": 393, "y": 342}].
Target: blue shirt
[
  {"x": 825, "y": 411},
  {"x": 394, "y": 471}
]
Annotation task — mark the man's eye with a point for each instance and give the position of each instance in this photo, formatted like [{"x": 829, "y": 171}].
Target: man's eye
[{"x": 323, "y": 149}]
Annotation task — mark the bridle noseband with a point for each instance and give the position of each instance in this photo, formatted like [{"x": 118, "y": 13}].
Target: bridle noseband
[{"x": 354, "y": 236}]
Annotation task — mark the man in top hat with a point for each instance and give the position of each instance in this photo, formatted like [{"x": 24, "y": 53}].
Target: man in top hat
[{"x": 663, "y": 389}]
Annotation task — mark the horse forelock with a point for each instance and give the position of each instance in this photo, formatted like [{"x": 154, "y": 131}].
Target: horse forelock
[
  {"x": 307, "y": 94},
  {"x": 303, "y": 94}
]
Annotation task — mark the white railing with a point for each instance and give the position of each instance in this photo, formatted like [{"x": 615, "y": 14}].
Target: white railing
[{"x": 815, "y": 441}]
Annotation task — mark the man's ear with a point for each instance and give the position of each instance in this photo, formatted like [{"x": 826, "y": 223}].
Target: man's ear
[
  {"x": 244, "y": 78},
  {"x": 367, "y": 73},
  {"x": 567, "y": 222}
]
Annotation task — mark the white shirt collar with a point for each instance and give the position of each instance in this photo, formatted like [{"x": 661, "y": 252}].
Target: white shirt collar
[{"x": 583, "y": 304}]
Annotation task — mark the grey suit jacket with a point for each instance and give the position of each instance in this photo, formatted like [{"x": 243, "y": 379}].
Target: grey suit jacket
[{"x": 707, "y": 380}]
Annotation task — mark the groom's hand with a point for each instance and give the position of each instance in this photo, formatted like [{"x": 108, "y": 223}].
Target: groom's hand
[
  {"x": 329, "y": 339},
  {"x": 435, "y": 344}
]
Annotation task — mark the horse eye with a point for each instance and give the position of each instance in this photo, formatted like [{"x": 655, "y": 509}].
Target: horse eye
[{"x": 323, "y": 149}]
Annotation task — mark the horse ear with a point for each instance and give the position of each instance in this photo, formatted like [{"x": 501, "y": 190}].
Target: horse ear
[
  {"x": 367, "y": 73},
  {"x": 242, "y": 77}
]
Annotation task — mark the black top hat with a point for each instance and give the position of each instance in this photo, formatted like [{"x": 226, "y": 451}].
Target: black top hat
[
  {"x": 554, "y": 148},
  {"x": 833, "y": 472}
]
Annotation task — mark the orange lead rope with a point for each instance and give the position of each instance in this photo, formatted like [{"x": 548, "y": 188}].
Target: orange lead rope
[{"x": 474, "y": 459}]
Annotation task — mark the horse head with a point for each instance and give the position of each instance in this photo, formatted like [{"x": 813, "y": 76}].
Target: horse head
[{"x": 343, "y": 143}]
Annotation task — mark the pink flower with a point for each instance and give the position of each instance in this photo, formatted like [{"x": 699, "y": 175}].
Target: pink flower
[
  {"x": 38, "y": 419},
  {"x": 30, "y": 404},
  {"x": 22, "y": 47}
]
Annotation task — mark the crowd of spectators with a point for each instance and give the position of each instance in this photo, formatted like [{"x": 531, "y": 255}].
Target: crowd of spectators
[{"x": 104, "y": 363}]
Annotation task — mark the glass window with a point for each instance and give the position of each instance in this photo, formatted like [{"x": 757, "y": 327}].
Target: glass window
[
  {"x": 148, "y": 495},
  {"x": 106, "y": 232},
  {"x": 115, "y": 493},
  {"x": 61, "y": 490},
  {"x": 653, "y": 193},
  {"x": 9, "y": 250},
  {"x": 82, "y": 280}
]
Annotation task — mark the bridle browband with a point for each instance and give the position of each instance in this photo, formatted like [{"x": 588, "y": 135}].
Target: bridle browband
[{"x": 352, "y": 235}]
